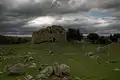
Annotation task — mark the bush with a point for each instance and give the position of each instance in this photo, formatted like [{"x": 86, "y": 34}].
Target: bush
[
  {"x": 74, "y": 34},
  {"x": 115, "y": 37},
  {"x": 104, "y": 40},
  {"x": 3, "y": 40},
  {"x": 13, "y": 40},
  {"x": 93, "y": 37}
]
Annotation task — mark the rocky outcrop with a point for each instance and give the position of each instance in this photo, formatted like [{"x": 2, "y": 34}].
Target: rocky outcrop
[{"x": 50, "y": 34}]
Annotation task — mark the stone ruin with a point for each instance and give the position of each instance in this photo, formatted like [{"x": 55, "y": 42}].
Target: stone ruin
[{"x": 50, "y": 34}]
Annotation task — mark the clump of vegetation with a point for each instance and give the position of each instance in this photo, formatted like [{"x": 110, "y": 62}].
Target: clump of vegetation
[
  {"x": 13, "y": 40},
  {"x": 93, "y": 37},
  {"x": 74, "y": 34},
  {"x": 115, "y": 37},
  {"x": 96, "y": 39}
]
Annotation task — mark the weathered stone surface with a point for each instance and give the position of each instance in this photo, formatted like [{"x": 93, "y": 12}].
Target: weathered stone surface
[
  {"x": 65, "y": 69},
  {"x": 76, "y": 78},
  {"x": 33, "y": 65},
  {"x": 61, "y": 70},
  {"x": 101, "y": 49},
  {"x": 89, "y": 54},
  {"x": 1, "y": 73},
  {"x": 65, "y": 78},
  {"x": 16, "y": 69},
  {"x": 47, "y": 70},
  {"x": 57, "y": 70},
  {"x": 116, "y": 69},
  {"x": 41, "y": 77},
  {"x": 29, "y": 77},
  {"x": 56, "y": 78},
  {"x": 45, "y": 73},
  {"x": 49, "y": 34}
]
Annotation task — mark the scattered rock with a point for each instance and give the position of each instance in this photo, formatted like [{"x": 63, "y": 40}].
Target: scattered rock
[
  {"x": 76, "y": 78},
  {"x": 56, "y": 78},
  {"x": 29, "y": 77},
  {"x": 30, "y": 53},
  {"x": 16, "y": 69},
  {"x": 50, "y": 52},
  {"x": 1, "y": 54},
  {"x": 95, "y": 57},
  {"x": 61, "y": 69},
  {"x": 48, "y": 70},
  {"x": 89, "y": 54},
  {"x": 116, "y": 69},
  {"x": 101, "y": 49},
  {"x": 44, "y": 65},
  {"x": 30, "y": 58},
  {"x": 92, "y": 57},
  {"x": 112, "y": 61},
  {"x": 65, "y": 78},
  {"x": 65, "y": 69},
  {"x": 26, "y": 56},
  {"x": 58, "y": 70},
  {"x": 1, "y": 73},
  {"x": 33, "y": 65},
  {"x": 41, "y": 76},
  {"x": 45, "y": 73}
]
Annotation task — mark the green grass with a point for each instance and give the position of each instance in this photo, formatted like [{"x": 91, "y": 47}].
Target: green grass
[{"x": 73, "y": 55}]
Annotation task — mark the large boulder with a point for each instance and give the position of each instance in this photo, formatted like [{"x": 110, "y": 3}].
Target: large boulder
[
  {"x": 48, "y": 70},
  {"x": 50, "y": 34},
  {"x": 29, "y": 77},
  {"x": 45, "y": 73},
  {"x": 16, "y": 69},
  {"x": 65, "y": 78},
  {"x": 33, "y": 65},
  {"x": 58, "y": 70},
  {"x": 61, "y": 70},
  {"x": 101, "y": 49}
]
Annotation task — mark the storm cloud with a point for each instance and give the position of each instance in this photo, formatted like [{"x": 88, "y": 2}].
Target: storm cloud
[{"x": 25, "y": 16}]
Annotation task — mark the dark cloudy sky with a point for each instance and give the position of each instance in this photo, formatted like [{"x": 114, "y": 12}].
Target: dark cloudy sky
[{"x": 25, "y": 16}]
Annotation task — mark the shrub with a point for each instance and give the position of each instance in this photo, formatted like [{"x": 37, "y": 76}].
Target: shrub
[
  {"x": 74, "y": 34},
  {"x": 13, "y": 40},
  {"x": 104, "y": 40},
  {"x": 93, "y": 37},
  {"x": 114, "y": 38}
]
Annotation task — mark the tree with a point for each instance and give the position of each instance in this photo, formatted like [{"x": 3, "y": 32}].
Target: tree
[
  {"x": 104, "y": 40},
  {"x": 13, "y": 40},
  {"x": 93, "y": 37},
  {"x": 115, "y": 37},
  {"x": 3, "y": 40},
  {"x": 73, "y": 34}
]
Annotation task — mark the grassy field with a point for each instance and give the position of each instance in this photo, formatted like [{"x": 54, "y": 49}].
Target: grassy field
[{"x": 71, "y": 54}]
